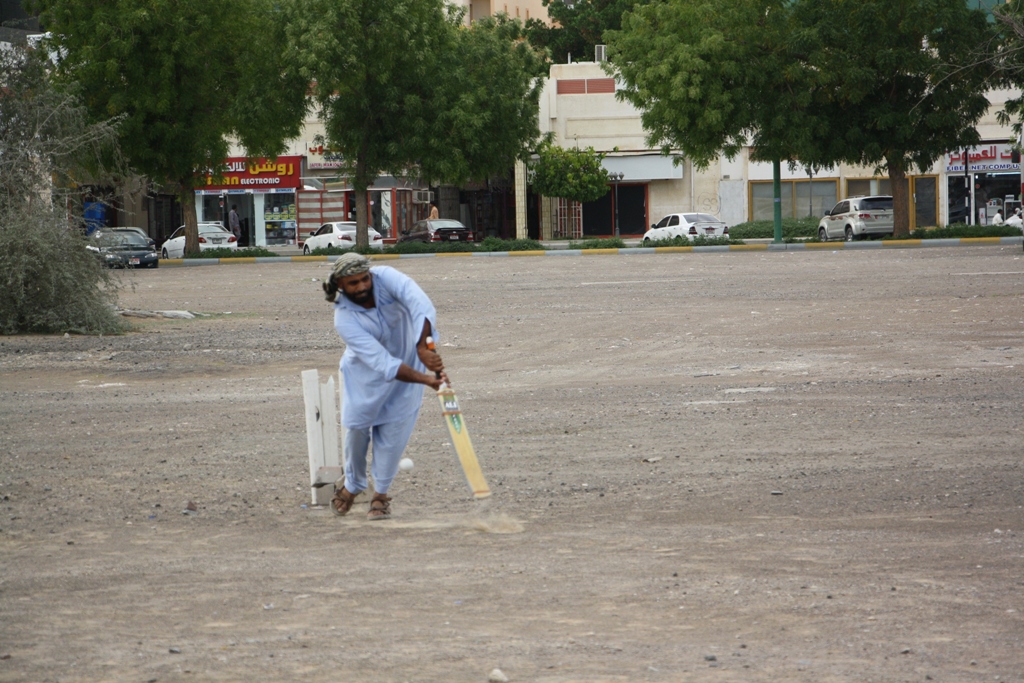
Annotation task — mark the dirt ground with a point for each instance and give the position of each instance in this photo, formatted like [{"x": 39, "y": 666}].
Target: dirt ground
[{"x": 762, "y": 466}]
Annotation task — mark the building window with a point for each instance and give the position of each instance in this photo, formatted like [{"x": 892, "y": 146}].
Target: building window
[{"x": 799, "y": 198}]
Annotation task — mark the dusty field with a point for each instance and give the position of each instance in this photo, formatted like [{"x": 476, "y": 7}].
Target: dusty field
[{"x": 707, "y": 467}]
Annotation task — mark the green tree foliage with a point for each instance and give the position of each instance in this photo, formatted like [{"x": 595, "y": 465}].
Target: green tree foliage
[
  {"x": 404, "y": 88},
  {"x": 713, "y": 76},
  {"x": 51, "y": 282},
  {"x": 900, "y": 83},
  {"x": 574, "y": 174},
  {"x": 182, "y": 76},
  {"x": 577, "y": 27},
  {"x": 886, "y": 83}
]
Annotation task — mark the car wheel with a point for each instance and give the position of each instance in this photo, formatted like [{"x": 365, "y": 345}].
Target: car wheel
[
  {"x": 305, "y": 250},
  {"x": 647, "y": 241},
  {"x": 849, "y": 234},
  {"x": 822, "y": 235},
  {"x": 164, "y": 254}
]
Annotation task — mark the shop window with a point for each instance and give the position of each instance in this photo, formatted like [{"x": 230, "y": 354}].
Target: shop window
[
  {"x": 280, "y": 216},
  {"x": 799, "y": 198},
  {"x": 865, "y": 187}
]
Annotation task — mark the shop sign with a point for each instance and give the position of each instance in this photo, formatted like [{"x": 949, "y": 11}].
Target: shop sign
[
  {"x": 989, "y": 158},
  {"x": 255, "y": 175},
  {"x": 320, "y": 156}
]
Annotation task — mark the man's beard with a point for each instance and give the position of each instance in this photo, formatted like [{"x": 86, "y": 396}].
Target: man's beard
[{"x": 363, "y": 297}]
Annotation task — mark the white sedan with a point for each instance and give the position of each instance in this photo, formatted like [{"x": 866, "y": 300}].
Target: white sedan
[
  {"x": 689, "y": 225},
  {"x": 211, "y": 236},
  {"x": 340, "y": 234}
]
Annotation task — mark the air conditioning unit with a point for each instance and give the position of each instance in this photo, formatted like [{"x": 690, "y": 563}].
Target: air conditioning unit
[
  {"x": 599, "y": 53},
  {"x": 422, "y": 196}
]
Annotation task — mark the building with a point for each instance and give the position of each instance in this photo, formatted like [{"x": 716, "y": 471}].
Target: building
[{"x": 516, "y": 9}]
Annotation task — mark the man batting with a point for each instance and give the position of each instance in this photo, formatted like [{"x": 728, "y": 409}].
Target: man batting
[{"x": 384, "y": 319}]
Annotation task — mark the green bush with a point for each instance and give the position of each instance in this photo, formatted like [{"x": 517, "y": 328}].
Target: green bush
[
  {"x": 498, "y": 244},
  {"x": 224, "y": 252},
  {"x": 337, "y": 251},
  {"x": 50, "y": 282},
  {"x": 607, "y": 243},
  {"x": 961, "y": 230},
  {"x": 765, "y": 229},
  {"x": 428, "y": 247}
]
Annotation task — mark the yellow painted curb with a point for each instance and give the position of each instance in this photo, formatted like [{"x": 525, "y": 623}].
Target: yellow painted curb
[
  {"x": 903, "y": 243},
  {"x": 531, "y": 252},
  {"x": 823, "y": 245},
  {"x": 384, "y": 257},
  {"x": 237, "y": 259},
  {"x": 453, "y": 253},
  {"x": 748, "y": 247},
  {"x": 672, "y": 250},
  {"x": 980, "y": 240},
  {"x": 308, "y": 258},
  {"x": 598, "y": 252}
]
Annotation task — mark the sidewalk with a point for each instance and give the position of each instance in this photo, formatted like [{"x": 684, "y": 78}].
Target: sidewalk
[{"x": 291, "y": 253}]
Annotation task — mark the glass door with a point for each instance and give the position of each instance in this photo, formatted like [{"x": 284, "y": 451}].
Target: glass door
[{"x": 925, "y": 198}]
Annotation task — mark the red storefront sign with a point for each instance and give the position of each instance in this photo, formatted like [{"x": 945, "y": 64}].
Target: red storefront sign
[{"x": 256, "y": 175}]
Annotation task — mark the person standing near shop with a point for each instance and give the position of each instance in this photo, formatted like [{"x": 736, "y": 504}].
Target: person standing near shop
[
  {"x": 384, "y": 319},
  {"x": 233, "y": 223},
  {"x": 433, "y": 212}
]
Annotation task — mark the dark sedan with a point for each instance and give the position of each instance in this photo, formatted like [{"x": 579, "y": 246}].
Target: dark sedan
[
  {"x": 126, "y": 250},
  {"x": 438, "y": 230}
]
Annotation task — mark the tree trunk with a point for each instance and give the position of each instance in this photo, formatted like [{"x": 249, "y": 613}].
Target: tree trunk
[
  {"x": 187, "y": 197},
  {"x": 360, "y": 183},
  {"x": 900, "y": 199}
]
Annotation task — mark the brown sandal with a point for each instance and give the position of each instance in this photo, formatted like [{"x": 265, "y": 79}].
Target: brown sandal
[
  {"x": 342, "y": 501},
  {"x": 380, "y": 507}
]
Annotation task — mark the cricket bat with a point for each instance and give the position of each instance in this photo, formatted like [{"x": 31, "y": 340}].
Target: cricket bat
[{"x": 459, "y": 435}]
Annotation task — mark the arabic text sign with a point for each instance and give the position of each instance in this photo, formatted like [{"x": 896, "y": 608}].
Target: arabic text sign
[
  {"x": 987, "y": 158},
  {"x": 321, "y": 156},
  {"x": 261, "y": 174}
]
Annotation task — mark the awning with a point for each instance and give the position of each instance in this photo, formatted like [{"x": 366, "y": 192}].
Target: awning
[{"x": 643, "y": 167}]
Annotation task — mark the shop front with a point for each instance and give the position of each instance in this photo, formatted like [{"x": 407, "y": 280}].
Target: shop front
[
  {"x": 263, "y": 192},
  {"x": 990, "y": 184}
]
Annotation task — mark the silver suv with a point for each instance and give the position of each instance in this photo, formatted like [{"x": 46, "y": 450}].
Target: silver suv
[{"x": 857, "y": 217}]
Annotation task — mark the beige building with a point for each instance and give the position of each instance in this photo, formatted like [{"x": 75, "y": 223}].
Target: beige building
[{"x": 517, "y": 9}]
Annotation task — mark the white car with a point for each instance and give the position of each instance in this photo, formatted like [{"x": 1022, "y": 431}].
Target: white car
[
  {"x": 689, "y": 225},
  {"x": 211, "y": 236},
  {"x": 857, "y": 217},
  {"x": 340, "y": 234}
]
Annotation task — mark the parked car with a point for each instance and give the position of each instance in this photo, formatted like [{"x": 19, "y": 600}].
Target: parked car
[
  {"x": 114, "y": 231},
  {"x": 857, "y": 217},
  {"x": 125, "y": 249},
  {"x": 689, "y": 225},
  {"x": 340, "y": 234},
  {"x": 211, "y": 236},
  {"x": 438, "y": 230}
]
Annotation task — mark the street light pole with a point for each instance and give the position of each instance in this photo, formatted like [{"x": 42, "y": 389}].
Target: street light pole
[{"x": 615, "y": 178}]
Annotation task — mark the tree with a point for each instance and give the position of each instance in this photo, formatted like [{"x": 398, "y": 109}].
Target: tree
[
  {"x": 182, "y": 76},
  {"x": 51, "y": 281},
  {"x": 572, "y": 174},
  {"x": 578, "y": 26},
  {"x": 713, "y": 76},
  {"x": 404, "y": 88},
  {"x": 892, "y": 83},
  {"x": 900, "y": 83}
]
